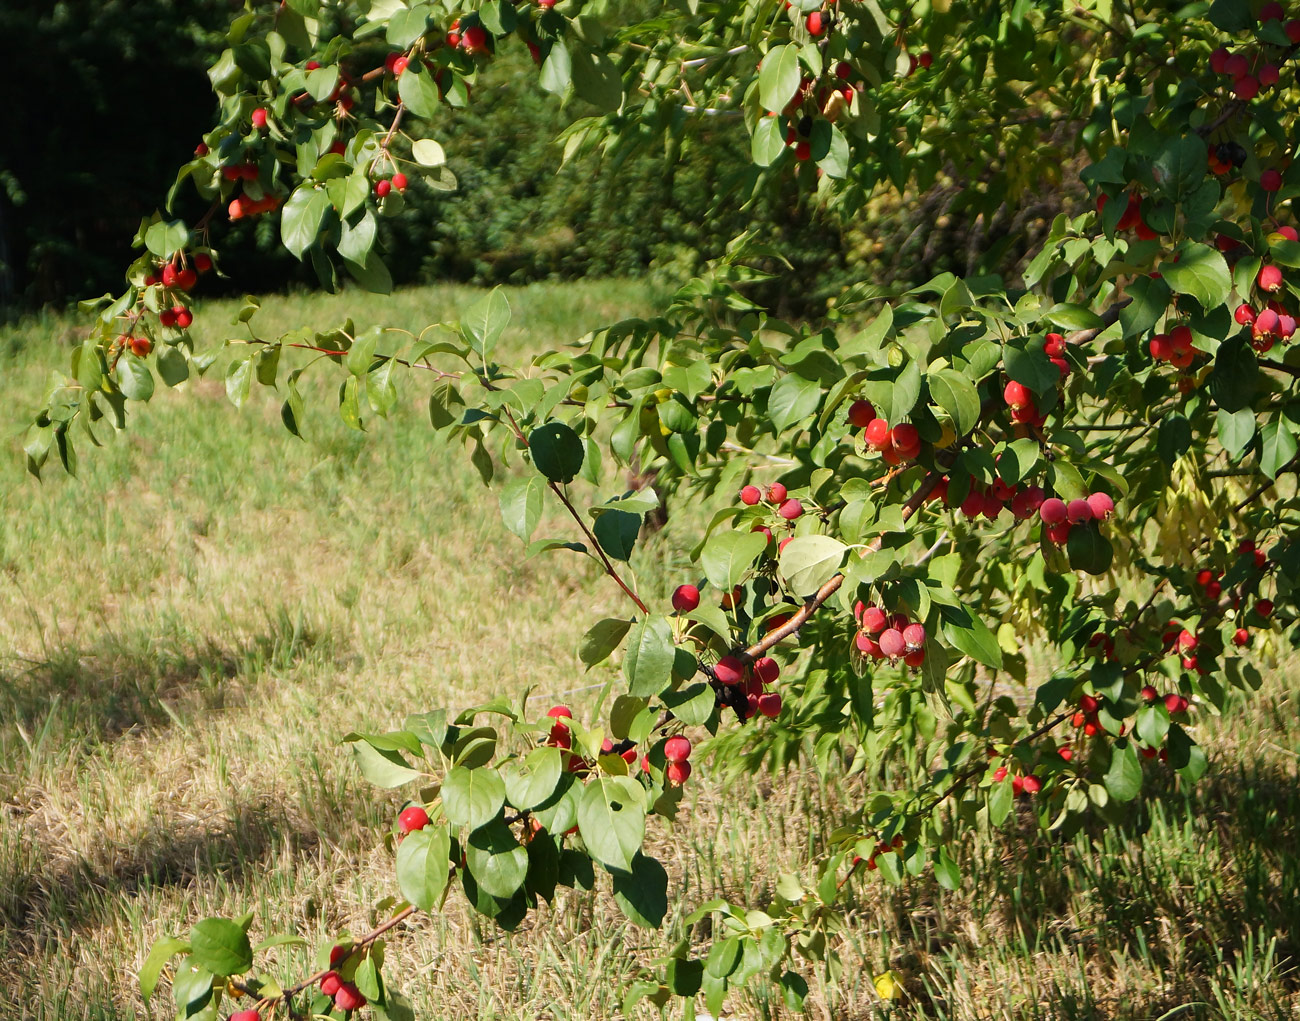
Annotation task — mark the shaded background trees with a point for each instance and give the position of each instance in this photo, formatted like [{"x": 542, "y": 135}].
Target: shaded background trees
[{"x": 132, "y": 72}]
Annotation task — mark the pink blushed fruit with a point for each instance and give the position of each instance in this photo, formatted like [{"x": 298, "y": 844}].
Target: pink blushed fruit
[
  {"x": 791, "y": 509},
  {"x": 914, "y": 636},
  {"x": 1053, "y": 511},
  {"x": 877, "y": 434},
  {"x": 892, "y": 643},
  {"x": 1269, "y": 278},
  {"x": 769, "y": 704},
  {"x": 776, "y": 493},
  {"x": 1078, "y": 512},
  {"x": 874, "y": 619},
  {"x": 1102, "y": 505},
  {"x": 677, "y": 749},
  {"x": 678, "y": 773},
  {"x": 750, "y": 496}
]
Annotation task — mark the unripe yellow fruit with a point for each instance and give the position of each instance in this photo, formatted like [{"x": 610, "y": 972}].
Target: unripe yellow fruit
[{"x": 947, "y": 436}]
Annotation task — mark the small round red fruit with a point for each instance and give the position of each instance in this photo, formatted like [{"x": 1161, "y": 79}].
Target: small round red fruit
[
  {"x": 892, "y": 643},
  {"x": 790, "y": 509},
  {"x": 1102, "y": 505},
  {"x": 1241, "y": 637},
  {"x": 1017, "y": 395},
  {"x": 686, "y": 598},
  {"x": 750, "y": 495},
  {"x": 259, "y": 118},
  {"x": 246, "y": 1015},
  {"x": 1053, "y": 511},
  {"x": 877, "y": 434},
  {"x": 1269, "y": 278},
  {"x": 349, "y": 997},
  {"x": 382, "y": 188},
  {"x": 776, "y": 493},
  {"x": 767, "y": 670},
  {"x": 730, "y": 670},
  {"x": 184, "y": 317},
  {"x": 412, "y": 819},
  {"x": 677, "y": 749},
  {"x": 860, "y": 414},
  {"x": 678, "y": 773},
  {"x": 140, "y": 346},
  {"x": 399, "y": 181}
]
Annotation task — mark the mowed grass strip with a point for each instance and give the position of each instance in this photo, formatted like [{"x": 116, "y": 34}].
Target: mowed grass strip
[{"x": 188, "y": 629}]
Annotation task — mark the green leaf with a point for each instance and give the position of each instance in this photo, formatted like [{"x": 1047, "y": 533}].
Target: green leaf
[
  {"x": 1001, "y": 798},
  {"x": 428, "y": 153},
  {"x": 642, "y": 893},
  {"x": 1234, "y": 378},
  {"x": 472, "y": 797},
  {"x": 1124, "y": 778},
  {"x": 779, "y": 77},
  {"x": 534, "y": 781},
  {"x": 382, "y": 767},
  {"x": 969, "y": 634},
  {"x": 1089, "y": 550},
  {"x": 557, "y": 451},
  {"x": 485, "y": 321},
  {"x": 239, "y": 380},
  {"x": 1149, "y": 298},
  {"x": 521, "y": 505},
  {"x": 809, "y": 561},
  {"x": 419, "y": 92},
  {"x": 221, "y": 946},
  {"x": 596, "y": 79},
  {"x": 134, "y": 379},
  {"x": 648, "y": 664},
  {"x": 557, "y": 69},
  {"x": 163, "y": 950},
  {"x": 767, "y": 143},
  {"x": 792, "y": 399},
  {"x": 356, "y": 240},
  {"x": 1236, "y": 430},
  {"x": 956, "y": 395},
  {"x": 498, "y": 862},
  {"x": 1200, "y": 272},
  {"x": 173, "y": 366},
  {"x": 727, "y": 556},
  {"x": 616, "y": 531},
  {"x": 166, "y": 237},
  {"x": 601, "y": 639},
  {"x": 611, "y": 820},
  {"x": 424, "y": 866},
  {"x": 1277, "y": 447},
  {"x": 1180, "y": 167},
  {"x": 693, "y": 704},
  {"x": 303, "y": 218}
]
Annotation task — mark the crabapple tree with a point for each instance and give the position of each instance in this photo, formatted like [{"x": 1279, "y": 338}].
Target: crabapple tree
[{"x": 1096, "y": 456}]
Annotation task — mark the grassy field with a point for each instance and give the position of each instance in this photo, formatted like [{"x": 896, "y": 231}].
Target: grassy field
[{"x": 188, "y": 629}]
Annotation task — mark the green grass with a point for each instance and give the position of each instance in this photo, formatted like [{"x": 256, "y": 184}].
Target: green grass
[{"x": 188, "y": 629}]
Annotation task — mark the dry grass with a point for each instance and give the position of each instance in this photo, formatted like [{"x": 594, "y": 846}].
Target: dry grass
[{"x": 187, "y": 631}]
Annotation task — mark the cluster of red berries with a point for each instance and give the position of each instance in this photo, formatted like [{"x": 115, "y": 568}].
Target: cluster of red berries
[
  {"x": 1251, "y": 71},
  {"x": 396, "y": 63},
  {"x": 244, "y": 205},
  {"x": 884, "y": 636},
  {"x": 753, "y": 681},
  {"x": 1060, "y": 517},
  {"x": 1085, "y": 717},
  {"x": 776, "y": 494},
  {"x": 1174, "y": 347},
  {"x": 346, "y": 995},
  {"x": 1131, "y": 218},
  {"x": 677, "y": 752},
  {"x": 177, "y": 278},
  {"x": 386, "y": 185},
  {"x": 474, "y": 39},
  {"x": 881, "y": 848},
  {"x": 1272, "y": 320},
  {"x": 896, "y": 445},
  {"x": 1026, "y": 784},
  {"x": 989, "y": 501}
]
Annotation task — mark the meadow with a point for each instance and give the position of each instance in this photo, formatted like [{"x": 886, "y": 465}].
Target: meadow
[{"x": 189, "y": 627}]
